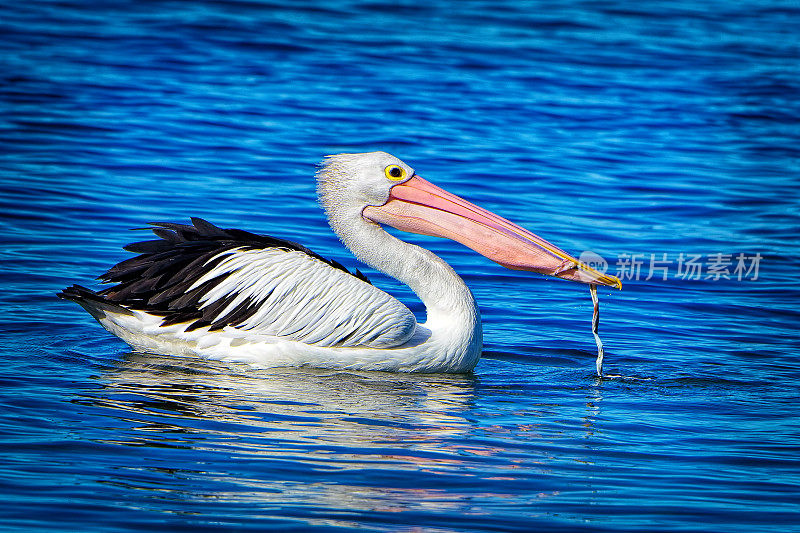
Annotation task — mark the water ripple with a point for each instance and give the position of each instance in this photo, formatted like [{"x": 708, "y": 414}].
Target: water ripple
[{"x": 655, "y": 131}]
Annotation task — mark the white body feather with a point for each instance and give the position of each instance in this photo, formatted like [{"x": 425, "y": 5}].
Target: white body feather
[
  {"x": 321, "y": 317},
  {"x": 313, "y": 314},
  {"x": 301, "y": 298}
]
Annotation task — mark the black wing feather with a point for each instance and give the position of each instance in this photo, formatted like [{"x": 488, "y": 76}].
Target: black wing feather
[{"x": 159, "y": 278}]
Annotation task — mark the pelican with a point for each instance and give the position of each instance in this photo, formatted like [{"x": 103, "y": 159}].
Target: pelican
[{"x": 228, "y": 294}]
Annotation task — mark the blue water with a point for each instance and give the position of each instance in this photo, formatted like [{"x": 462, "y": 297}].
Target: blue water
[{"x": 632, "y": 129}]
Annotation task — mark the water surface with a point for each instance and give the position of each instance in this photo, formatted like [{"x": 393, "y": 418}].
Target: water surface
[{"x": 660, "y": 134}]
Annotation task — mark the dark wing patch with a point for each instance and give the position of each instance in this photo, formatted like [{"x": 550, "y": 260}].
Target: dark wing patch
[
  {"x": 158, "y": 280},
  {"x": 79, "y": 293}
]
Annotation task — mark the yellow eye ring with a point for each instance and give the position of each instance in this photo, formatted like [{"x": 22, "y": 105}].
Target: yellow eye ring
[{"x": 395, "y": 172}]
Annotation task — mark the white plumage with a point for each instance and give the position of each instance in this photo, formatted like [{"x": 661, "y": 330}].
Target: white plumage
[
  {"x": 233, "y": 295},
  {"x": 301, "y": 298}
]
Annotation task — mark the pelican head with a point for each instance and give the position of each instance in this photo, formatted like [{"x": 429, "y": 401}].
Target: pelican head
[{"x": 378, "y": 188}]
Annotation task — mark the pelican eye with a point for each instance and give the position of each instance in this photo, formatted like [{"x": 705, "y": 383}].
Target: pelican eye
[{"x": 395, "y": 172}]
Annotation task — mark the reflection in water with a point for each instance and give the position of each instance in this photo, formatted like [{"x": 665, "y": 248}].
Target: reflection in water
[
  {"x": 313, "y": 404},
  {"x": 314, "y": 436}
]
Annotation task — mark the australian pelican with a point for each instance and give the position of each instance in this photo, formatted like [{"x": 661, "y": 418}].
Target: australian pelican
[{"x": 233, "y": 295}]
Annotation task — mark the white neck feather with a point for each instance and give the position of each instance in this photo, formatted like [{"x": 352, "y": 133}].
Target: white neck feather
[
  {"x": 453, "y": 317},
  {"x": 452, "y": 313},
  {"x": 435, "y": 282}
]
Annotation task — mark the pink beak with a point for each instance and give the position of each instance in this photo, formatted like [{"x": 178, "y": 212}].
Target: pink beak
[{"x": 419, "y": 206}]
